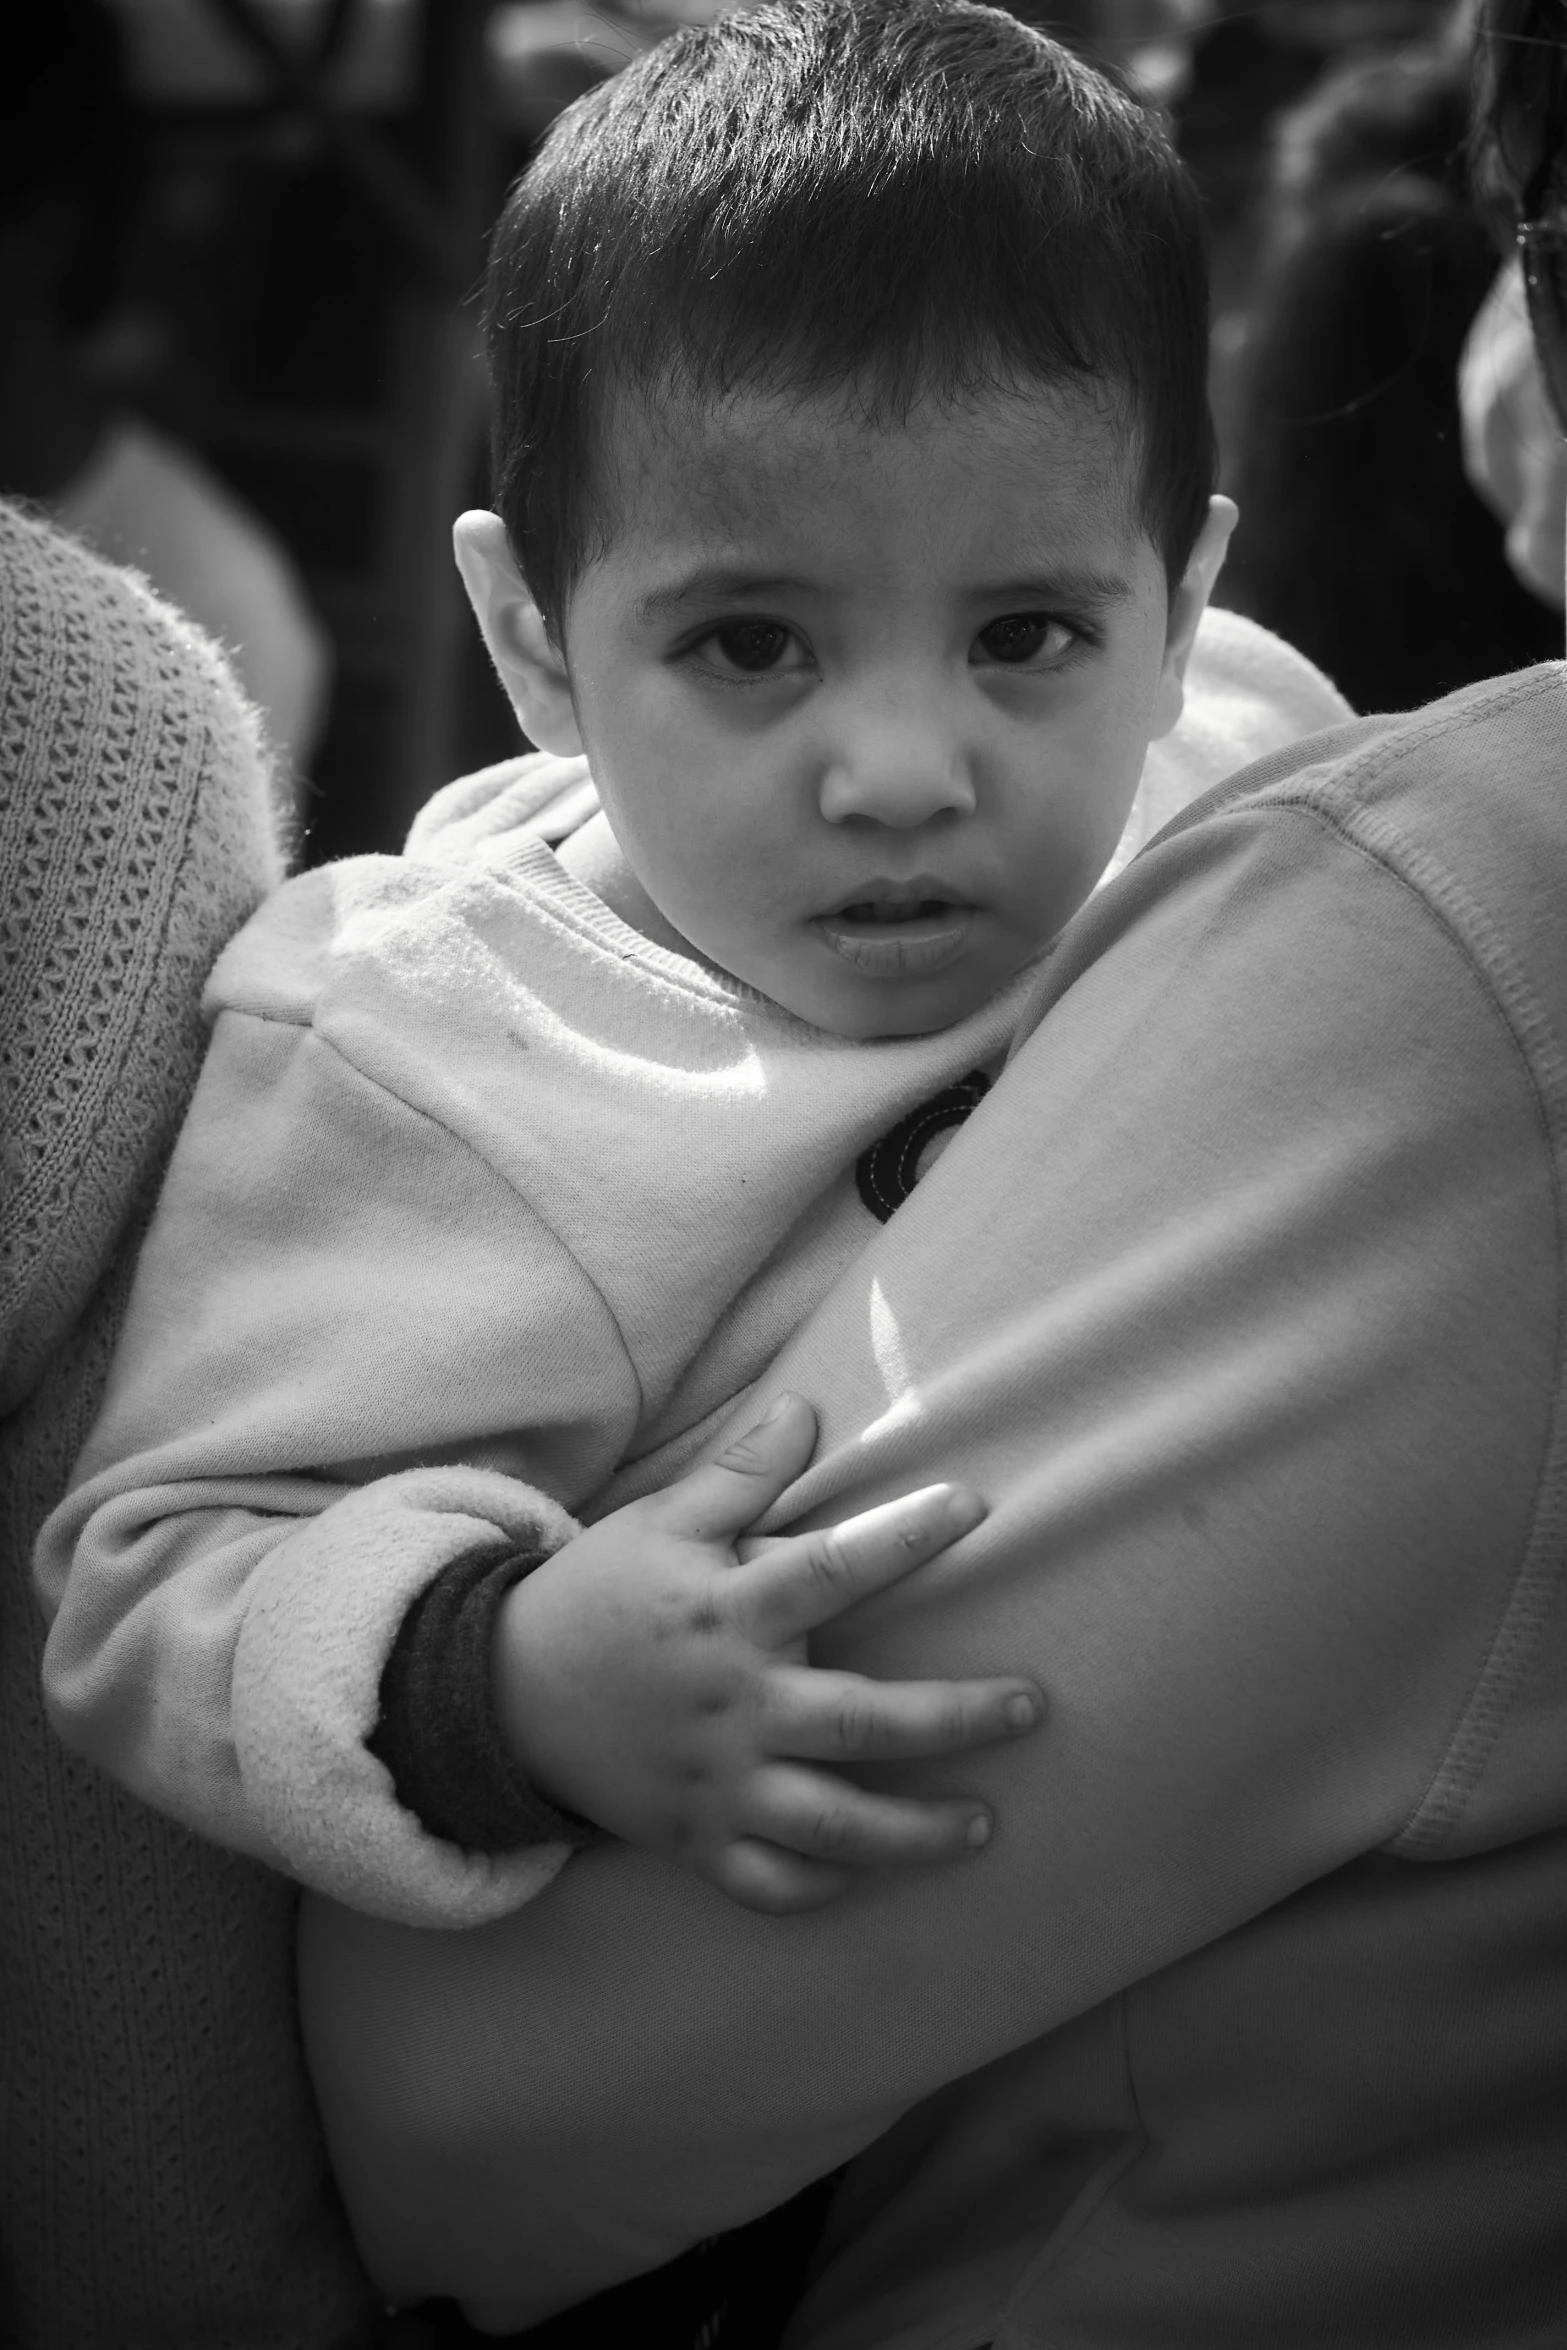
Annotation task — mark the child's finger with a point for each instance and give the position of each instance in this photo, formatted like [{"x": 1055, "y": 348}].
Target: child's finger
[
  {"x": 715, "y": 1501},
  {"x": 764, "y": 1877},
  {"x": 843, "y": 1717},
  {"x": 826, "y": 1819},
  {"x": 812, "y": 1577}
]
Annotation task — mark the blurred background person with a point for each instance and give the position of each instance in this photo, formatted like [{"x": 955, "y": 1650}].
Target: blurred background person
[
  {"x": 1514, "y": 452},
  {"x": 70, "y": 172},
  {"x": 1362, "y": 540},
  {"x": 240, "y": 316}
]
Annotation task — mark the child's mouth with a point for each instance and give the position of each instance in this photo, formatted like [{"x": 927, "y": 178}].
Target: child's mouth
[{"x": 897, "y": 937}]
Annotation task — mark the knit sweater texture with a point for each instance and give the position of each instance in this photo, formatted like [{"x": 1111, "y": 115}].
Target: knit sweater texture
[{"x": 162, "y": 2178}]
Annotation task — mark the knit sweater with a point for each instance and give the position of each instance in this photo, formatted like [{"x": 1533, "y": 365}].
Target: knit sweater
[{"x": 161, "y": 2173}]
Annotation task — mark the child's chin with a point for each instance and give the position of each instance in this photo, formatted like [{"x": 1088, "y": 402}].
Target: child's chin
[
  {"x": 892, "y": 1012},
  {"x": 497, "y": 2317}
]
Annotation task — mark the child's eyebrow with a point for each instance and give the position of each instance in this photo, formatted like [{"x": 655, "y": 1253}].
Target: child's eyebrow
[
  {"x": 712, "y": 583},
  {"x": 716, "y": 583},
  {"x": 1097, "y": 588}
]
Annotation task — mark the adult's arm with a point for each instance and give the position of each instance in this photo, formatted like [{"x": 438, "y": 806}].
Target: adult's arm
[{"x": 1240, "y": 1303}]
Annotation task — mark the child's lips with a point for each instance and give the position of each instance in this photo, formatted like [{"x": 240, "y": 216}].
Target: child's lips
[{"x": 897, "y": 940}]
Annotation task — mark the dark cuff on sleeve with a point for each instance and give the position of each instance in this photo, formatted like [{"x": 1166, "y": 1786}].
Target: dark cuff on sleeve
[{"x": 438, "y": 1733}]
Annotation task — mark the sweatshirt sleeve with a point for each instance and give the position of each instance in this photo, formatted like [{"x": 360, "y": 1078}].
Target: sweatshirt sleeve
[
  {"x": 354, "y": 1359},
  {"x": 1259, "y": 1370},
  {"x": 438, "y": 1731}
]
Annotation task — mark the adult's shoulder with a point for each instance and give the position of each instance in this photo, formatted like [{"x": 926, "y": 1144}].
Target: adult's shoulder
[
  {"x": 1462, "y": 802},
  {"x": 123, "y": 732},
  {"x": 1471, "y": 739},
  {"x": 137, "y": 830}
]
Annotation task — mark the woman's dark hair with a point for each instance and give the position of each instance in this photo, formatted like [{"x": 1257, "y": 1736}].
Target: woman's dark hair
[
  {"x": 1518, "y": 109},
  {"x": 68, "y": 131},
  {"x": 888, "y": 198},
  {"x": 1360, "y": 539}
]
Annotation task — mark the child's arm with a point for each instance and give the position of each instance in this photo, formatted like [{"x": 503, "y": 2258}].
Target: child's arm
[
  {"x": 296, "y": 1442},
  {"x": 341, "y": 1320}
]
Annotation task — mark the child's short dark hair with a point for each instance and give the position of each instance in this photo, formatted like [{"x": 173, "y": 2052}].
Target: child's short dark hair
[{"x": 883, "y": 197}]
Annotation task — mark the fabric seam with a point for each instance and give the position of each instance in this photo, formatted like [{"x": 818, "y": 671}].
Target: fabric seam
[
  {"x": 1087, "y": 2204},
  {"x": 1480, "y": 1714},
  {"x": 465, "y": 1144}
]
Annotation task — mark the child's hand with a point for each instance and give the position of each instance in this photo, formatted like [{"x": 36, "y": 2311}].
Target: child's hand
[{"x": 650, "y": 1682}]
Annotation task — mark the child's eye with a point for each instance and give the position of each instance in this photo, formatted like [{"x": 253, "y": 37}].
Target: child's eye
[
  {"x": 1022, "y": 637},
  {"x": 749, "y": 648}
]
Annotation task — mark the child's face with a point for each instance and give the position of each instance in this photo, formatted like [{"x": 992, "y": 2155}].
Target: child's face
[{"x": 867, "y": 707}]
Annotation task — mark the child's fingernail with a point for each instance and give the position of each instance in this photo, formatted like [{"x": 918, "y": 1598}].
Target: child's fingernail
[
  {"x": 775, "y": 1410},
  {"x": 1022, "y": 1713},
  {"x": 964, "y": 1511},
  {"x": 977, "y": 1832}
]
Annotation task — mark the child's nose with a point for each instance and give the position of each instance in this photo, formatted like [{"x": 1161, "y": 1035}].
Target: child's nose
[{"x": 901, "y": 768}]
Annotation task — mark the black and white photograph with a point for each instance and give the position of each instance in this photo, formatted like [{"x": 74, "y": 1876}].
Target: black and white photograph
[{"x": 783, "y": 1175}]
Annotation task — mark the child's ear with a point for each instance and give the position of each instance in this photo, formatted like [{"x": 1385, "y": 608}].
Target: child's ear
[
  {"x": 1187, "y": 606},
  {"x": 532, "y": 666}
]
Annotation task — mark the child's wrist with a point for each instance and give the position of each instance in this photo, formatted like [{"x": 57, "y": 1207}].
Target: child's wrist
[
  {"x": 524, "y": 1691},
  {"x": 436, "y": 1731}
]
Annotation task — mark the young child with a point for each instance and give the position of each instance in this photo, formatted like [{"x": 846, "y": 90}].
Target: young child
[{"x": 853, "y": 523}]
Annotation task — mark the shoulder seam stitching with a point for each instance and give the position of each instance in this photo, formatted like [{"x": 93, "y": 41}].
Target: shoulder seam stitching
[
  {"x": 1478, "y": 1718},
  {"x": 464, "y": 1143}
]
